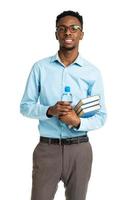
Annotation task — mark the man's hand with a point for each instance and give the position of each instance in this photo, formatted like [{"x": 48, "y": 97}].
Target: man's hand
[
  {"x": 70, "y": 118},
  {"x": 60, "y": 108}
]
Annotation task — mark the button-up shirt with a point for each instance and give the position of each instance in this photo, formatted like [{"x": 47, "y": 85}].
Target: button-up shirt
[{"x": 45, "y": 86}]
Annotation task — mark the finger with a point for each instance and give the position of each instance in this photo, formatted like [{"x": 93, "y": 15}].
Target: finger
[
  {"x": 64, "y": 103},
  {"x": 63, "y": 107},
  {"x": 63, "y": 113},
  {"x": 65, "y": 110}
]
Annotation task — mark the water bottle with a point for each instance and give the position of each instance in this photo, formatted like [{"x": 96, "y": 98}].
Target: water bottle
[{"x": 67, "y": 96}]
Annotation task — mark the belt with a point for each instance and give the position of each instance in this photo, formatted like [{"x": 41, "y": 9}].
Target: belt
[{"x": 63, "y": 141}]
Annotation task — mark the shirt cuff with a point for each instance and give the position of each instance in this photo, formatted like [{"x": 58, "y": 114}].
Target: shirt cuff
[
  {"x": 83, "y": 126},
  {"x": 43, "y": 112}
]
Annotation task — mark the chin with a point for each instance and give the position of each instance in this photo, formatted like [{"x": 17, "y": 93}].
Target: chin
[{"x": 68, "y": 48}]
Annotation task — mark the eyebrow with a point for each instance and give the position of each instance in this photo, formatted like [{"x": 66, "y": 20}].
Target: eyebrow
[{"x": 69, "y": 25}]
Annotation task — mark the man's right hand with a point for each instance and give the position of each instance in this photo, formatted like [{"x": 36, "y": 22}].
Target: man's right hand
[{"x": 60, "y": 108}]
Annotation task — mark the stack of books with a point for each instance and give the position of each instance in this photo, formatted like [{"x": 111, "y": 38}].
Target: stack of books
[{"x": 88, "y": 106}]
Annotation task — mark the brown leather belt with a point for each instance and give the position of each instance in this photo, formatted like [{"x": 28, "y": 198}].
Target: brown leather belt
[{"x": 63, "y": 141}]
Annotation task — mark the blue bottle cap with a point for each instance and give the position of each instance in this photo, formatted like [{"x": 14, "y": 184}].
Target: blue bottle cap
[{"x": 67, "y": 88}]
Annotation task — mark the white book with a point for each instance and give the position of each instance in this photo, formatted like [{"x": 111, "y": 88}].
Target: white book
[
  {"x": 86, "y": 101},
  {"x": 89, "y": 111},
  {"x": 87, "y": 105}
]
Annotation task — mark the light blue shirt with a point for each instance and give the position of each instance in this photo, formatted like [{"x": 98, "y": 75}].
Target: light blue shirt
[{"x": 45, "y": 86}]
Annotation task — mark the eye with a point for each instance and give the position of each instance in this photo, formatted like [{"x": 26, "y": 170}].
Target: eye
[
  {"x": 61, "y": 29},
  {"x": 74, "y": 28}
]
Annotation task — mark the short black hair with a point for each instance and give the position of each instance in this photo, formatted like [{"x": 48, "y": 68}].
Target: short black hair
[{"x": 70, "y": 13}]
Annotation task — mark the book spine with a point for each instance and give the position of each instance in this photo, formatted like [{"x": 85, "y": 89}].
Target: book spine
[
  {"x": 87, "y": 105},
  {"x": 89, "y": 110},
  {"x": 87, "y": 100}
]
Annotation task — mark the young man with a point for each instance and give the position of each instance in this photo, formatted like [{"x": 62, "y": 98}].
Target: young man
[{"x": 63, "y": 153}]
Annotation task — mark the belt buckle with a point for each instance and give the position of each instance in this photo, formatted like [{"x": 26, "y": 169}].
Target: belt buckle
[{"x": 69, "y": 141}]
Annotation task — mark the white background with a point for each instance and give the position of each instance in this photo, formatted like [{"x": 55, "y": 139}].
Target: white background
[{"x": 27, "y": 30}]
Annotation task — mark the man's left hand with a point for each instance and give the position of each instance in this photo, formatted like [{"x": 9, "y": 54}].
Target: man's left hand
[{"x": 70, "y": 118}]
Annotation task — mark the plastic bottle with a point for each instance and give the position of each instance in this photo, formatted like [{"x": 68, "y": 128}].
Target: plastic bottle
[{"x": 67, "y": 96}]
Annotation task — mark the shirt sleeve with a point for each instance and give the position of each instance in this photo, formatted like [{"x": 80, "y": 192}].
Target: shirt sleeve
[
  {"x": 30, "y": 106},
  {"x": 98, "y": 119}
]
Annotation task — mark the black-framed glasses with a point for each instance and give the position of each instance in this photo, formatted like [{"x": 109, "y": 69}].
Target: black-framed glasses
[{"x": 72, "y": 28}]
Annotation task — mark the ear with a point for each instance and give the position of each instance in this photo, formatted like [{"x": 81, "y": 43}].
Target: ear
[
  {"x": 56, "y": 35},
  {"x": 81, "y": 35}
]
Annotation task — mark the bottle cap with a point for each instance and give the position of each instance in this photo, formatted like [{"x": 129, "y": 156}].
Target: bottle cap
[{"x": 67, "y": 88}]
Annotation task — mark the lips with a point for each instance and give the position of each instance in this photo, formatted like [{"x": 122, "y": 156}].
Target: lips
[{"x": 68, "y": 41}]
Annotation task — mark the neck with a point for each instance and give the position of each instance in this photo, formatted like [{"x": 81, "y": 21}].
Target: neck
[{"x": 68, "y": 56}]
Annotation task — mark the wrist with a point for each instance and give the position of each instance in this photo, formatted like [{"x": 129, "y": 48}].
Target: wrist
[
  {"x": 77, "y": 125},
  {"x": 49, "y": 112}
]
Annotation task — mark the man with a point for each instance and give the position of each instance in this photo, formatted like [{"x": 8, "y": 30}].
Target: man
[{"x": 63, "y": 153}]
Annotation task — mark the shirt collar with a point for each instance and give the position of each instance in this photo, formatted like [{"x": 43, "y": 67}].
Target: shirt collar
[{"x": 79, "y": 60}]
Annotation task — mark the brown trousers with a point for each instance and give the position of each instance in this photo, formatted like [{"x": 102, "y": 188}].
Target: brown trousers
[{"x": 68, "y": 163}]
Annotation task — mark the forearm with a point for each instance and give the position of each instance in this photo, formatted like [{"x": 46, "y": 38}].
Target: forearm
[
  {"x": 92, "y": 123},
  {"x": 35, "y": 111}
]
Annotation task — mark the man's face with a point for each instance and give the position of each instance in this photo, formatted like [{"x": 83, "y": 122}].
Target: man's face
[{"x": 67, "y": 34}]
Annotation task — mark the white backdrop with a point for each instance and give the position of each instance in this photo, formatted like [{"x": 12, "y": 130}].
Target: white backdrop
[{"x": 27, "y": 30}]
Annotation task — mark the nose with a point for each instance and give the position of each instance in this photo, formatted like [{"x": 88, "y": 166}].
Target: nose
[{"x": 68, "y": 31}]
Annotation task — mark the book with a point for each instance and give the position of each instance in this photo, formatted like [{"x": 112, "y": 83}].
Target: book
[
  {"x": 87, "y": 105},
  {"x": 86, "y": 100},
  {"x": 90, "y": 111}
]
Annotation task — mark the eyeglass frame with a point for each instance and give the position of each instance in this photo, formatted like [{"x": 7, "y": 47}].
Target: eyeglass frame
[{"x": 69, "y": 27}]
